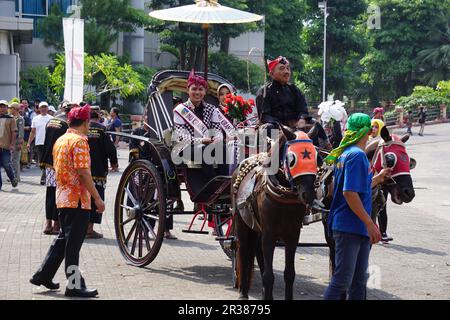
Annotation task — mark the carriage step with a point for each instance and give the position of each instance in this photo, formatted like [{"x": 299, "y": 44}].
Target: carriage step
[
  {"x": 194, "y": 231},
  {"x": 226, "y": 238}
]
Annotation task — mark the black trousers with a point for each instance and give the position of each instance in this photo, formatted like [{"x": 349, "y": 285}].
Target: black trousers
[
  {"x": 67, "y": 245},
  {"x": 96, "y": 217},
  {"x": 382, "y": 216},
  {"x": 40, "y": 153},
  {"x": 51, "y": 212}
]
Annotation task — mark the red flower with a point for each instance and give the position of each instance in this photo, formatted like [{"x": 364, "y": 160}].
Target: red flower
[
  {"x": 251, "y": 102},
  {"x": 225, "y": 110},
  {"x": 240, "y": 100}
]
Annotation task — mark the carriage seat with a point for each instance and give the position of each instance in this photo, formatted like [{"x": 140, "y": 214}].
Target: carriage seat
[{"x": 215, "y": 191}]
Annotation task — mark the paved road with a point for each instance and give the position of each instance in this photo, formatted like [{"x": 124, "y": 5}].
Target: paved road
[{"x": 416, "y": 265}]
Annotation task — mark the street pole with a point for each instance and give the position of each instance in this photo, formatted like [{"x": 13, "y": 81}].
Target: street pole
[{"x": 325, "y": 14}]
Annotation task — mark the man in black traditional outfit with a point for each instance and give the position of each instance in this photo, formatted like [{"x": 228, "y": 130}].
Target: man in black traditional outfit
[
  {"x": 56, "y": 127},
  {"x": 278, "y": 101},
  {"x": 101, "y": 148}
]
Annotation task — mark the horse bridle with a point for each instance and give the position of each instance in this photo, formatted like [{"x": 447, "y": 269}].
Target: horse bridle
[{"x": 380, "y": 149}]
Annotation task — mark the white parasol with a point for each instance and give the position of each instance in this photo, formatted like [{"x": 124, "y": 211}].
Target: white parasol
[{"x": 206, "y": 12}]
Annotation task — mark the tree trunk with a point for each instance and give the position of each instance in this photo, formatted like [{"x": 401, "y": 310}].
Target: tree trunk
[
  {"x": 225, "y": 44},
  {"x": 183, "y": 57},
  {"x": 199, "y": 55},
  {"x": 192, "y": 50}
]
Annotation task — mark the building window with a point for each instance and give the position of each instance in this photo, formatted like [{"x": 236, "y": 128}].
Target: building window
[{"x": 39, "y": 9}]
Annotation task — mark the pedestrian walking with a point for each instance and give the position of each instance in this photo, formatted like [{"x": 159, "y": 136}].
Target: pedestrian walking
[
  {"x": 115, "y": 124},
  {"x": 408, "y": 121},
  {"x": 422, "y": 115},
  {"x": 8, "y": 130},
  {"x": 16, "y": 154},
  {"x": 73, "y": 199},
  {"x": 38, "y": 126}
]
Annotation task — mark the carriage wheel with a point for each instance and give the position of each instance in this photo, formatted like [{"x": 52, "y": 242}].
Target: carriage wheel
[
  {"x": 223, "y": 227},
  {"x": 139, "y": 213}
]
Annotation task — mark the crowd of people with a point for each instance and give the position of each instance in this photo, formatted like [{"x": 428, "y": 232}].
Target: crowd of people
[{"x": 72, "y": 150}]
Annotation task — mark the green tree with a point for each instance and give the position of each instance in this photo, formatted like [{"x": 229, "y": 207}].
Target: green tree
[
  {"x": 34, "y": 84},
  {"x": 426, "y": 96},
  {"x": 282, "y": 26},
  {"x": 434, "y": 62},
  {"x": 391, "y": 64},
  {"x": 235, "y": 71},
  {"x": 346, "y": 45},
  {"x": 104, "y": 20},
  {"x": 103, "y": 75}
]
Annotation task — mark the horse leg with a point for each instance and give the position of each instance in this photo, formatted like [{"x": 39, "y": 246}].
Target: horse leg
[
  {"x": 244, "y": 263},
  {"x": 268, "y": 247},
  {"x": 331, "y": 246},
  {"x": 259, "y": 256},
  {"x": 289, "y": 268}
]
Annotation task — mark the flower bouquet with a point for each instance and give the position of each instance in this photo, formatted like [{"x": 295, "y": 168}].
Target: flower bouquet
[{"x": 237, "y": 108}]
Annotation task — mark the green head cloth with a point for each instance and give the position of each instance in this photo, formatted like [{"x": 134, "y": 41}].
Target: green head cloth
[{"x": 358, "y": 126}]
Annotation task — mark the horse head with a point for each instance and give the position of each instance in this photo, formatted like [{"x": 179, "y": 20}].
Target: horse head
[
  {"x": 299, "y": 159},
  {"x": 390, "y": 152}
]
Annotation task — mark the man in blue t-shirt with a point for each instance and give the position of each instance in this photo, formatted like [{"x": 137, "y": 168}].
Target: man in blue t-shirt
[
  {"x": 116, "y": 125},
  {"x": 350, "y": 223}
]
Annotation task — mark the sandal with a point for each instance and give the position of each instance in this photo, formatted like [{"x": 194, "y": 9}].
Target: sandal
[
  {"x": 48, "y": 230},
  {"x": 170, "y": 236},
  {"x": 94, "y": 235}
]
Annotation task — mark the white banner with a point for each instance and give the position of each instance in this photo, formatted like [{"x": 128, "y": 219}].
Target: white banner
[{"x": 74, "y": 49}]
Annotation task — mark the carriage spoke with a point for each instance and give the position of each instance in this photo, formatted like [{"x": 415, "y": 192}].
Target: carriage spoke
[
  {"x": 151, "y": 216},
  {"x": 150, "y": 206},
  {"x": 150, "y": 229},
  {"x": 141, "y": 185},
  {"x": 147, "y": 240},
  {"x": 140, "y": 242},
  {"x": 126, "y": 207},
  {"x": 127, "y": 221},
  {"x": 130, "y": 196},
  {"x": 149, "y": 192},
  {"x": 131, "y": 233},
  {"x": 133, "y": 247}
]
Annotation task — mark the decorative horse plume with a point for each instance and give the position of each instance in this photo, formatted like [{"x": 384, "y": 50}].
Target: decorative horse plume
[{"x": 207, "y": 3}]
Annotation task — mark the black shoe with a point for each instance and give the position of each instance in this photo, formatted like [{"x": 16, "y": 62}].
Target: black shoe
[
  {"x": 81, "y": 293},
  {"x": 386, "y": 238},
  {"x": 14, "y": 183},
  {"x": 49, "y": 284}
]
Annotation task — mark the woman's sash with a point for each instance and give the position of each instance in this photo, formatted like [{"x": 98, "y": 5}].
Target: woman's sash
[{"x": 184, "y": 112}]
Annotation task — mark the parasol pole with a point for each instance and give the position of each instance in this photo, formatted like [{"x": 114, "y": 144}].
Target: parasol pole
[{"x": 205, "y": 27}]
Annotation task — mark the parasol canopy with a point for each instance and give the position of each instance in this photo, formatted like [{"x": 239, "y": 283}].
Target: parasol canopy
[{"x": 205, "y": 12}]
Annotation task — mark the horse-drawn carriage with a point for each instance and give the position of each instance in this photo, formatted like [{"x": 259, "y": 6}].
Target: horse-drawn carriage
[{"x": 150, "y": 189}]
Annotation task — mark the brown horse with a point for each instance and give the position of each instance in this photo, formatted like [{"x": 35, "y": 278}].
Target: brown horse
[
  {"x": 278, "y": 205},
  {"x": 387, "y": 151}
]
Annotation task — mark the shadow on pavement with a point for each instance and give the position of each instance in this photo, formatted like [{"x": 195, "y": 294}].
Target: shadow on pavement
[
  {"x": 414, "y": 250},
  {"x": 305, "y": 287}
]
